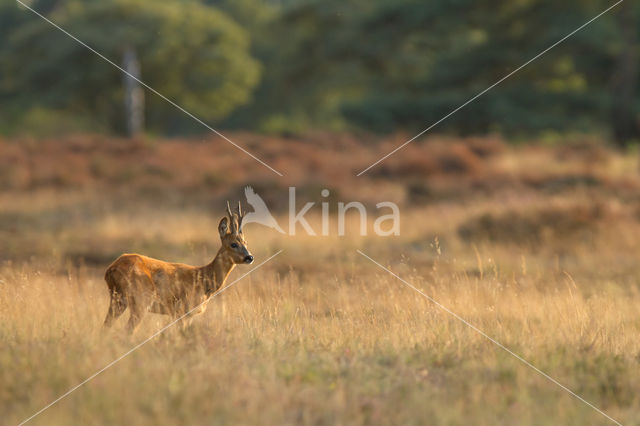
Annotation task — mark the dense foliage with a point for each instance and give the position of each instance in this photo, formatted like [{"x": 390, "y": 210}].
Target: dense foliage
[
  {"x": 193, "y": 54},
  {"x": 286, "y": 66}
]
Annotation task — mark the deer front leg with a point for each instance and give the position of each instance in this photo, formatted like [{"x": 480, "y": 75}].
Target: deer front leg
[
  {"x": 159, "y": 308},
  {"x": 189, "y": 311}
]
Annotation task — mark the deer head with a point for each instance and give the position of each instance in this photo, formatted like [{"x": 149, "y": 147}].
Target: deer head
[{"x": 232, "y": 238}]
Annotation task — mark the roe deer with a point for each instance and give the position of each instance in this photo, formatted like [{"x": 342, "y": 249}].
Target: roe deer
[{"x": 143, "y": 284}]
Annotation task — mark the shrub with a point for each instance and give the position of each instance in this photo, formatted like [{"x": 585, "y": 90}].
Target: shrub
[{"x": 535, "y": 227}]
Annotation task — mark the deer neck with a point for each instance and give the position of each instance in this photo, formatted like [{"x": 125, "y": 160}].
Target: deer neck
[{"x": 218, "y": 271}]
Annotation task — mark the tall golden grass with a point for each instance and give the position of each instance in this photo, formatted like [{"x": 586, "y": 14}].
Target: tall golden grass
[{"x": 321, "y": 335}]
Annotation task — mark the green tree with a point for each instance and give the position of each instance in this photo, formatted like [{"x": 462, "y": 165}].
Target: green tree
[
  {"x": 437, "y": 56},
  {"x": 192, "y": 53},
  {"x": 403, "y": 64},
  {"x": 625, "y": 112}
]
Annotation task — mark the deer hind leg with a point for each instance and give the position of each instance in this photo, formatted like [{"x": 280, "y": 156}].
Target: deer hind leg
[
  {"x": 118, "y": 302},
  {"x": 117, "y": 306},
  {"x": 138, "y": 307}
]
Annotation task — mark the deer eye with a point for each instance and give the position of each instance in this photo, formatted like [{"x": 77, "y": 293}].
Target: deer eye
[{"x": 234, "y": 245}]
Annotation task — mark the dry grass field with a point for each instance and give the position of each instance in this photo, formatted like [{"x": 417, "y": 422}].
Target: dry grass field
[{"x": 536, "y": 246}]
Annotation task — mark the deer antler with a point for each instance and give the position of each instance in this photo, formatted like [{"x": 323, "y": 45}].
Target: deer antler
[
  {"x": 233, "y": 220},
  {"x": 240, "y": 216}
]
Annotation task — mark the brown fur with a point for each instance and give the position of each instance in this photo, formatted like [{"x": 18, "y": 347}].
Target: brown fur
[{"x": 144, "y": 284}]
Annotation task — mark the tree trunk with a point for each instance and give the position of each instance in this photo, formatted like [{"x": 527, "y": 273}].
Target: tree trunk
[
  {"x": 133, "y": 93},
  {"x": 624, "y": 118}
]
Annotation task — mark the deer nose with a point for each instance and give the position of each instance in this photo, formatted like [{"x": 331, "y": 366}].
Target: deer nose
[{"x": 248, "y": 259}]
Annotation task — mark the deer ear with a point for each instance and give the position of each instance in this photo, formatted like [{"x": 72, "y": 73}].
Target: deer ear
[{"x": 223, "y": 227}]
